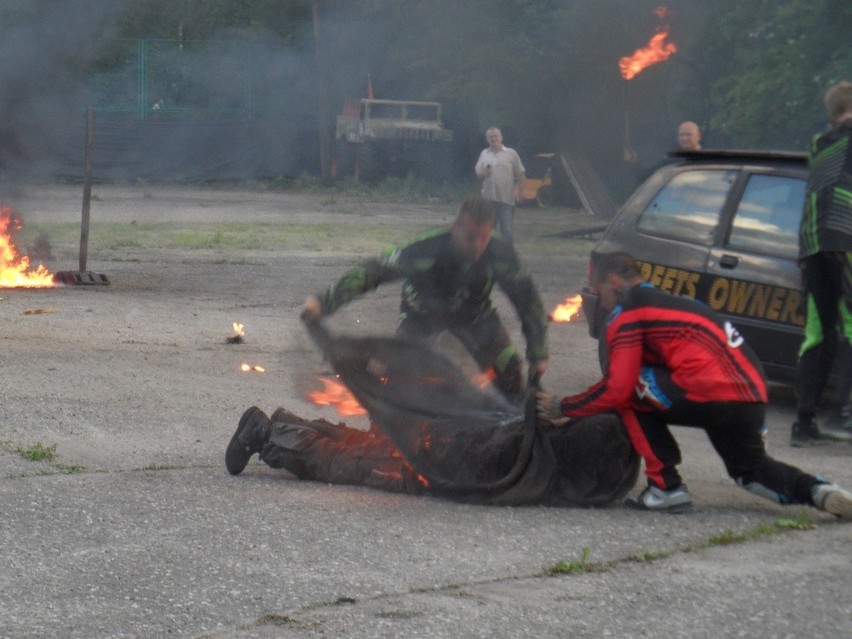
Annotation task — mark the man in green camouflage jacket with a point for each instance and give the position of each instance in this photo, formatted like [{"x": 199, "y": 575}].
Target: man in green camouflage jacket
[
  {"x": 449, "y": 274},
  {"x": 825, "y": 240}
]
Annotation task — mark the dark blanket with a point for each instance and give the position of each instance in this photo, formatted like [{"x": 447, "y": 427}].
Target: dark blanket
[{"x": 471, "y": 443}]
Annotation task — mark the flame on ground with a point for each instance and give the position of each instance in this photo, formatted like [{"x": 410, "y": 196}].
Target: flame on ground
[
  {"x": 484, "y": 378},
  {"x": 252, "y": 367},
  {"x": 238, "y": 330},
  {"x": 657, "y": 50},
  {"x": 567, "y": 310},
  {"x": 15, "y": 271},
  {"x": 336, "y": 394}
]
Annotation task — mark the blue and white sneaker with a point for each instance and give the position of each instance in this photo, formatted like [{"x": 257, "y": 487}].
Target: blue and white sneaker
[{"x": 670, "y": 501}]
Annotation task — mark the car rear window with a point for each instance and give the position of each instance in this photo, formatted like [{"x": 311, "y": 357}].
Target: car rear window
[
  {"x": 688, "y": 206},
  {"x": 768, "y": 216}
]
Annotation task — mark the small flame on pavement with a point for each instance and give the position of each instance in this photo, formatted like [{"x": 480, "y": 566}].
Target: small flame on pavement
[
  {"x": 484, "y": 378},
  {"x": 567, "y": 310},
  {"x": 15, "y": 271},
  {"x": 657, "y": 50},
  {"x": 334, "y": 393},
  {"x": 239, "y": 334},
  {"x": 246, "y": 368}
]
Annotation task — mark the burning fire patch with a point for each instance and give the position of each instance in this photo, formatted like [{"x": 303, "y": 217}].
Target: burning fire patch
[
  {"x": 239, "y": 334},
  {"x": 336, "y": 394},
  {"x": 15, "y": 271},
  {"x": 657, "y": 50},
  {"x": 567, "y": 310}
]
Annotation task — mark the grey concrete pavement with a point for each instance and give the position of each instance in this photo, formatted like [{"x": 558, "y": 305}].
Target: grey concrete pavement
[
  {"x": 135, "y": 529},
  {"x": 195, "y": 552}
]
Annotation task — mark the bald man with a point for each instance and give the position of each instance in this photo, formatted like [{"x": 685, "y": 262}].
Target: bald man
[{"x": 689, "y": 136}]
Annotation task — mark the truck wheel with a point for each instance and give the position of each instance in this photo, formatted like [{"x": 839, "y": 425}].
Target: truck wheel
[{"x": 544, "y": 197}]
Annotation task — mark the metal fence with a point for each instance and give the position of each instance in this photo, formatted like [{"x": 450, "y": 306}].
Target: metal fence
[{"x": 151, "y": 78}]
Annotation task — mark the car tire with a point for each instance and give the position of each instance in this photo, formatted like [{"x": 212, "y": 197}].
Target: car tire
[{"x": 544, "y": 197}]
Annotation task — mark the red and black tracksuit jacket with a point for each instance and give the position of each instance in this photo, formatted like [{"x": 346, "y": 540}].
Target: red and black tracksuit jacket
[
  {"x": 673, "y": 360},
  {"x": 706, "y": 358}
]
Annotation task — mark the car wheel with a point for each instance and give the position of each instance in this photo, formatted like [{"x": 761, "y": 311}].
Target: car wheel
[{"x": 545, "y": 196}]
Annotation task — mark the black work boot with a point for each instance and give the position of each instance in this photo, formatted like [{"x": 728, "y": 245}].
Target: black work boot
[
  {"x": 804, "y": 432},
  {"x": 252, "y": 433}
]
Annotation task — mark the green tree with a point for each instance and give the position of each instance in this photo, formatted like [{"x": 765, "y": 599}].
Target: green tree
[{"x": 770, "y": 64}]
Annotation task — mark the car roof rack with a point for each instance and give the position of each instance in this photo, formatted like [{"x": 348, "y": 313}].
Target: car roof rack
[{"x": 739, "y": 154}]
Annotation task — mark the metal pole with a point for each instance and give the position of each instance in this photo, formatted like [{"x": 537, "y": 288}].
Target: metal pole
[
  {"x": 87, "y": 189},
  {"x": 324, "y": 132},
  {"x": 142, "y": 63}
]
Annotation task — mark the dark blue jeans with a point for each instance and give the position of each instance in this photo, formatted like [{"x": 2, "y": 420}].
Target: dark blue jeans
[{"x": 505, "y": 214}]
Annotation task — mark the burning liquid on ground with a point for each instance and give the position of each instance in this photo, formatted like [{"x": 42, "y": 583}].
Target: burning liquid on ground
[{"x": 15, "y": 270}]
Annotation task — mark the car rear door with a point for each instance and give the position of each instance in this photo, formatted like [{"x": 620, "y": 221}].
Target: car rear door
[
  {"x": 671, "y": 224},
  {"x": 753, "y": 274}
]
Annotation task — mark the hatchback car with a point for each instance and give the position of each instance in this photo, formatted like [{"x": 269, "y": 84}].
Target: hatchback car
[{"x": 722, "y": 227}]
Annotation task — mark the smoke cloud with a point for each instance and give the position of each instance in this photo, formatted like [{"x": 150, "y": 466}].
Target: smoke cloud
[{"x": 245, "y": 105}]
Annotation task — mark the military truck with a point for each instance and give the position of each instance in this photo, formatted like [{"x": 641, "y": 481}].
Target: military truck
[{"x": 375, "y": 139}]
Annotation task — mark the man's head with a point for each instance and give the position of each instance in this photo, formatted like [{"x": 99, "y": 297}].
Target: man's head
[
  {"x": 838, "y": 102},
  {"x": 612, "y": 274},
  {"x": 689, "y": 136},
  {"x": 494, "y": 138},
  {"x": 471, "y": 230}
]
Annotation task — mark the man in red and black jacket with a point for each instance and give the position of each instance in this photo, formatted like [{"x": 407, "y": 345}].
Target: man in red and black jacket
[{"x": 672, "y": 360}]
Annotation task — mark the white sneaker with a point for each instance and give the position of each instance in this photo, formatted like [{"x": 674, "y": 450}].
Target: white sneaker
[
  {"x": 832, "y": 499},
  {"x": 671, "y": 501}
]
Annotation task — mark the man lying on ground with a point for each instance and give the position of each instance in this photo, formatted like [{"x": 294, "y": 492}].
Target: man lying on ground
[{"x": 436, "y": 432}]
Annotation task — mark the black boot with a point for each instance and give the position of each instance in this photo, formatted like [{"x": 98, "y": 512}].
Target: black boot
[
  {"x": 805, "y": 432},
  {"x": 252, "y": 433}
]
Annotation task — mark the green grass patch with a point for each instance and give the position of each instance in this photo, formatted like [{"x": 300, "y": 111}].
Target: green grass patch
[
  {"x": 37, "y": 452},
  {"x": 580, "y": 565},
  {"x": 226, "y": 236},
  {"x": 71, "y": 469},
  {"x": 802, "y": 522},
  {"x": 766, "y": 529},
  {"x": 648, "y": 556}
]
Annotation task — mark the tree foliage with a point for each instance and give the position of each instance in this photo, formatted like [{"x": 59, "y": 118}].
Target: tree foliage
[
  {"x": 770, "y": 64},
  {"x": 752, "y": 74}
]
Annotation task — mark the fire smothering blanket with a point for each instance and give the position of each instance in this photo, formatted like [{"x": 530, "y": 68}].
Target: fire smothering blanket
[{"x": 472, "y": 444}]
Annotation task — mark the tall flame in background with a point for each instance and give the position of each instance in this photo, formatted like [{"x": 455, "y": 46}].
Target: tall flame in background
[
  {"x": 15, "y": 271},
  {"x": 657, "y": 50}
]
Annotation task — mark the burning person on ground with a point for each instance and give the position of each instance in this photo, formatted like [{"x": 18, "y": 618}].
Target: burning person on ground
[
  {"x": 448, "y": 275},
  {"x": 435, "y": 431}
]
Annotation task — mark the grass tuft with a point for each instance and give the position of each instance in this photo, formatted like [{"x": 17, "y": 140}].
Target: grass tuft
[
  {"x": 581, "y": 565},
  {"x": 38, "y": 452}
]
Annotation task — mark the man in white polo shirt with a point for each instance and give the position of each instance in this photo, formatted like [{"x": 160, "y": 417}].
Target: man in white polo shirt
[{"x": 503, "y": 176}]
